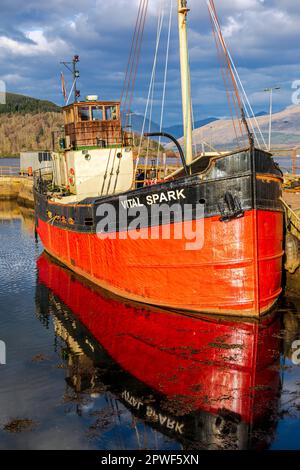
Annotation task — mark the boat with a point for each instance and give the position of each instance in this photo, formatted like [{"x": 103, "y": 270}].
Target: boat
[
  {"x": 207, "y": 238},
  {"x": 205, "y": 382}
]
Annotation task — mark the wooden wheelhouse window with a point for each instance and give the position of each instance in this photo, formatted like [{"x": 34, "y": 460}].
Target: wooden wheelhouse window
[
  {"x": 84, "y": 113},
  {"x": 93, "y": 123},
  {"x": 111, "y": 113},
  {"x": 97, "y": 113}
]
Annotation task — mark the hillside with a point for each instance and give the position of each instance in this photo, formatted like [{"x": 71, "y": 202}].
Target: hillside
[
  {"x": 25, "y": 104},
  {"x": 27, "y": 124},
  {"x": 27, "y": 132}
]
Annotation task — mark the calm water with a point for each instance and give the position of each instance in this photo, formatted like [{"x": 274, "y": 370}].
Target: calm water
[
  {"x": 10, "y": 162},
  {"x": 86, "y": 371}
]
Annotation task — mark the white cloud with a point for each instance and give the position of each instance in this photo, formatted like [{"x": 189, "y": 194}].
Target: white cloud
[
  {"x": 262, "y": 37},
  {"x": 233, "y": 27},
  {"x": 12, "y": 79},
  {"x": 37, "y": 44}
]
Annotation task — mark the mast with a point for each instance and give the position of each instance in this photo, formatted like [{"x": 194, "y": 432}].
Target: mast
[
  {"x": 185, "y": 80},
  {"x": 75, "y": 77},
  {"x": 72, "y": 67}
]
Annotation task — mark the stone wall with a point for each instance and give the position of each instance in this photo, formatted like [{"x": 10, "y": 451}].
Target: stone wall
[
  {"x": 17, "y": 188},
  {"x": 10, "y": 187},
  {"x": 25, "y": 196}
]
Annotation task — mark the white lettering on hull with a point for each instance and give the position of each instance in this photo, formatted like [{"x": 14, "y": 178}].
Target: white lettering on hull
[{"x": 156, "y": 198}]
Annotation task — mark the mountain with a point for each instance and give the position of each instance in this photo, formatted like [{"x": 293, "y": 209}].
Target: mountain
[
  {"x": 136, "y": 122},
  {"x": 175, "y": 130},
  {"x": 285, "y": 130},
  {"x": 25, "y": 104},
  {"x": 261, "y": 113}
]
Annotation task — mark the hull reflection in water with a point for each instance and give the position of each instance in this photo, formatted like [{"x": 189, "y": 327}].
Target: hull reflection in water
[{"x": 205, "y": 382}]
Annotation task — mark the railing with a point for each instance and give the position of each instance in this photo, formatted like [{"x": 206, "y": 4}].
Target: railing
[
  {"x": 43, "y": 180},
  {"x": 9, "y": 171}
]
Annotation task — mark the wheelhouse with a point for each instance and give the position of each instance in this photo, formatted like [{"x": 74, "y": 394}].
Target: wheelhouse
[{"x": 93, "y": 124}]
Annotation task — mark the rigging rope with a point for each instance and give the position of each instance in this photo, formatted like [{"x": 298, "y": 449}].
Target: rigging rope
[
  {"x": 165, "y": 78},
  {"x": 159, "y": 27},
  {"x": 248, "y": 103},
  {"x": 243, "y": 101},
  {"x": 71, "y": 91},
  {"x": 125, "y": 84},
  {"x": 230, "y": 78},
  {"x": 159, "y": 30},
  {"x": 237, "y": 79},
  {"x": 225, "y": 78},
  {"x": 133, "y": 61},
  {"x": 193, "y": 128}
]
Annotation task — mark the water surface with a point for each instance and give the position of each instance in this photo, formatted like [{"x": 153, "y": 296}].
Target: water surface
[
  {"x": 87, "y": 371},
  {"x": 10, "y": 162}
]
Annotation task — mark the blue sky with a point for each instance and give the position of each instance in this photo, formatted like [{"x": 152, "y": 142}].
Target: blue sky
[{"x": 262, "y": 35}]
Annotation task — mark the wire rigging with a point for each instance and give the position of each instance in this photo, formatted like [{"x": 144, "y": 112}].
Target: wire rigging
[
  {"x": 165, "y": 78},
  {"x": 235, "y": 103},
  {"x": 133, "y": 61},
  {"x": 159, "y": 29},
  {"x": 152, "y": 79},
  {"x": 241, "y": 102},
  {"x": 225, "y": 80}
]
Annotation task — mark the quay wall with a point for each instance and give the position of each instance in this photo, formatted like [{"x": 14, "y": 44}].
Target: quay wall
[
  {"x": 10, "y": 187},
  {"x": 17, "y": 188},
  {"x": 25, "y": 196}
]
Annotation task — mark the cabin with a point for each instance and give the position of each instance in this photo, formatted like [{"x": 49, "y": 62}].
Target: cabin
[
  {"x": 95, "y": 157},
  {"x": 33, "y": 161},
  {"x": 94, "y": 123}
]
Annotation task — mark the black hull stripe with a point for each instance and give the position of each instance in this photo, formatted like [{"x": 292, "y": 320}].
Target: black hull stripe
[{"x": 232, "y": 178}]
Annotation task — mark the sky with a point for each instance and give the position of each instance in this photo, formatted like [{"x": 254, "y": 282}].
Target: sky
[{"x": 263, "y": 37}]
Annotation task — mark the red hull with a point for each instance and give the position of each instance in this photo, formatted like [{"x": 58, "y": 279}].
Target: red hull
[
  {"x": 237, "y": 272},
  {"x": 208, "y": 363}
]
